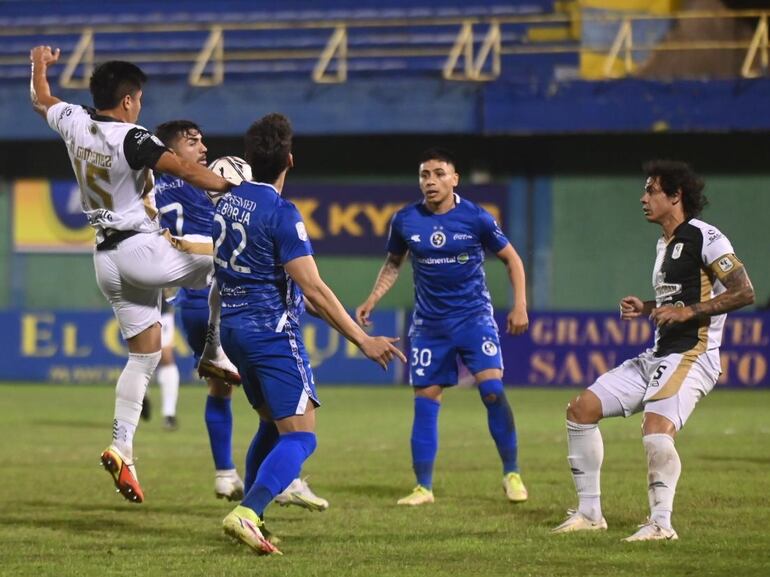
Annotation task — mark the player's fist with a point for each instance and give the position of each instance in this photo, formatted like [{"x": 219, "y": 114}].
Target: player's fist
[
  {"x": 44, "y": 55},
  {"x": 517, "y": 321},
  {"x": 363, "y": 312},
  {"x": 631, "y": 307}
]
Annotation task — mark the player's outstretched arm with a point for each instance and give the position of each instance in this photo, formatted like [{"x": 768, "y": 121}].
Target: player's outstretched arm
[
  {"x": 304, "y": 272},
  {"x": 518, "y": 321},
  {"x": 39, "y": 89},
  {"x": 192, "y": 172},
  {"x": 386, "y": 278}
]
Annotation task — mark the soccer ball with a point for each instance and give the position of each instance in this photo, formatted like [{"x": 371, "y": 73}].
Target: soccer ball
[{"x": 233, "y": 169}]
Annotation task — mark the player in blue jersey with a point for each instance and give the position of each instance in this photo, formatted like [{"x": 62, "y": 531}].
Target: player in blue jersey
[
  {"x": 264, "y": 265},
  {"x": 188, "y": 212},
  {"x": 446, "y": 236}
]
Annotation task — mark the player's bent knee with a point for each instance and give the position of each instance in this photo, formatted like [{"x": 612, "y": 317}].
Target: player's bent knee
[
  {"x": 491, "y": 391},
  {"x": 586, "y": 408}
]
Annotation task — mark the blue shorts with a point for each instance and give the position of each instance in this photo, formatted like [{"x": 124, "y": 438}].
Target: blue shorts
[
  {"x": 433, "y": 353},
  {"x": 274, "y": 367},
  {"x": 195, "y": 322}
]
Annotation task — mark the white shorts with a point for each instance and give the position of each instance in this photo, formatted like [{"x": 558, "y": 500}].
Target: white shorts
[
  {"x": 166, "y": 330},
  {"x": 133, "y": 275},
  {"x": 669, "y": 386}
]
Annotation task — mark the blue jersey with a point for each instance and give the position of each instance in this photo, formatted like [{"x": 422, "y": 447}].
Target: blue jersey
[
  {"x": 184, "y": 210},
  {"x": 256, "y": 232},
  {"x": 447, "y": 252}
]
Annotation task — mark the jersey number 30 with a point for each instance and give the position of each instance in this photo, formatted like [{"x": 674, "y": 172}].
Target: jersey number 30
[{"x": 237, "y": 227}]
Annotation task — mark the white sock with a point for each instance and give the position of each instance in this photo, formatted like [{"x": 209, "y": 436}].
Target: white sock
[
  {"x": 168, "y": 380},
  {"x": 586, "y": 453},
  {"x": 663, "y": 470},
  {"x": 129, "y": 394}
]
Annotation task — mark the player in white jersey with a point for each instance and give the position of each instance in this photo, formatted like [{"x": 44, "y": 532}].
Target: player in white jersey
[
  {"x": 113, "y": 159},
  {"x": 697, "y": 279}
]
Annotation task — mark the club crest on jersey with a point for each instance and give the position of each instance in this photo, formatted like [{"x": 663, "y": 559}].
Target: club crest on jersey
[
  {"x": 301, "y": 231},
  {"x": 677, "y": 252},
  {"x": 438, "y": 239},
  {"x": 726, "y": 264},
  {"x": 489, "y": 348}
]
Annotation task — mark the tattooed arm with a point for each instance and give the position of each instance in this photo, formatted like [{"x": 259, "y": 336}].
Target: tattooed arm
[
  {"x": 385, "y": 280},
  {"x": 739, "y": 293}
]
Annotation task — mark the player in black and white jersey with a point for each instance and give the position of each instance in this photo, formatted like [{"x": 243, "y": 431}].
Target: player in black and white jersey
[
  {"x": 697, "y": 279},
  {"x": 113, "y": 159}
]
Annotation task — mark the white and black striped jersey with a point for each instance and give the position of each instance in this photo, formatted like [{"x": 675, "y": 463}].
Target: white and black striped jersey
[
  {"x": 112, "y": 161},
  {"x": 688, "y": 269}
]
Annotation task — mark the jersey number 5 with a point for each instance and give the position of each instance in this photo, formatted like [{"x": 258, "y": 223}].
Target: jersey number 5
[
  {"x": 94, "y": 195},
  {"x": 238, "y": 227}
]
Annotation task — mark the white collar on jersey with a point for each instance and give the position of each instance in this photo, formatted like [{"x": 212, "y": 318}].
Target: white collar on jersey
[
  {"x": 457, "y": 199},
  {"x": 264, "y": 184}
]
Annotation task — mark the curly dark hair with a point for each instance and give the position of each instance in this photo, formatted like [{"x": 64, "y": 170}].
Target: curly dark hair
[
  {"x": 169, "y": 132},
  {"x": 113, "y": 80},
  {"x": 675, "y": 176},
  {"x": 267, "y": 146}
]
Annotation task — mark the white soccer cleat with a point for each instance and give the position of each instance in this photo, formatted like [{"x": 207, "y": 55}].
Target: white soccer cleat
[
  {"x": 298, "y": 493},
  {"x": 228, "y": 485},
  {"x": 651, "y": 531},
  {"x": 576, "y": 521},
  {"x": 214, "y": 364},
  {"x": 419, "y": 496}
]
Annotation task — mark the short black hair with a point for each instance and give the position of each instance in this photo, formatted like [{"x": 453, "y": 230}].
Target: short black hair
[
  {"x": 674, "y": 176},
  {"x": 438, "y": 153},
  {"x": 267, "y": 145},
  {"x": 169, "y": 132},
  {"x": 113, "y": 80}
]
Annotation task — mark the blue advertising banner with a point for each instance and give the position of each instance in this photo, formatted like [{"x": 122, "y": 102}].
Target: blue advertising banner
[
  {"x": 340, "y": 219},
  {"x": 86, "y": 347},
  {"x": 575, "y": 348}
]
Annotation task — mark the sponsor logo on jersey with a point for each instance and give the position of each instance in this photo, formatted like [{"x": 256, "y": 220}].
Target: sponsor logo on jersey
[
  {"x": 415, "y": 238},
  {"x": 679, "y": 304},
  {"x": 301, "y": 231},
  {"x": 462, "y": 236},
  {"x": 439, "y": 260},
  {"x": 140, "y": 136},
  {"x": 714, "y": 235},
  {"x": 420, "y": 372},
  {"x": 489, "y": 348},
  {"x": 462, "y": 258},
  {"x": 726, "y": 264},
  {"x": 66, "y": 112},
  {"x": 438, "y": 239},
  {"x": 654, "y": 384},
  {"x": 677, "y": 252},
  {"x": 664, "y": 291}
]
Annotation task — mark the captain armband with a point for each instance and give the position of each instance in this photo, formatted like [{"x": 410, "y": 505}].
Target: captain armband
[{"x": 725, "y": 265}]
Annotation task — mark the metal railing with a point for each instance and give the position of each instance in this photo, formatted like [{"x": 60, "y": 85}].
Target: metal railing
[{"x": 475, "y": 55}]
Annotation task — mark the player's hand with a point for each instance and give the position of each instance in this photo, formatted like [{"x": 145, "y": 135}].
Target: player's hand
[
  {"x": 44, "y": 55},
  {"x": 668, "y": 315},
  {"x": 517, "y": 322},
  {"x": 382, "y": 350},
  {"x": 363, "y": 312},
  {"x": 631, "y": 307}
]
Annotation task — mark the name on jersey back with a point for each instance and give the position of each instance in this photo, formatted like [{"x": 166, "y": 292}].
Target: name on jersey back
[{"x": 237, "y": 208}]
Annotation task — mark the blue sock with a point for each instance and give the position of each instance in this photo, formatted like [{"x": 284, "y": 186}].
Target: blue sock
[
  {"x": 425, "y": 439},
  {"x": 261, "y": 445},
  {"x": 281, "y": 466},
  {"x": 501, "y": 424},
  {"x": 219, "y": 423}
]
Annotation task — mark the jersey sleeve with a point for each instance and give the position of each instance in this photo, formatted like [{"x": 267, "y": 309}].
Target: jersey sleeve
[
  {"x": 491, "y": 236},
  {"x": 290, "y": 234},
  {"x": 142, "y": 148},
  {"x": 396, "y": 243},
  {"x": 718, "y": 255},
  {"x": 61, "y": 115}
]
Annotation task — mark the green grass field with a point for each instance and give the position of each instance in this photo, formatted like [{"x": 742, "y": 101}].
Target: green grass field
[{"x": 59, "y": 515}]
